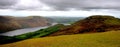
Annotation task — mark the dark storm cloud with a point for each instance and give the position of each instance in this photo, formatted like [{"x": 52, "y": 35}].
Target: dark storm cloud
[
  {"x": 4, "y": 4},
  {"x": 83, "y": 4}
]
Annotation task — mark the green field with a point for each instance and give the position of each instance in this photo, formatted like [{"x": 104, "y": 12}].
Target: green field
[{"x": 105, "y": 39}]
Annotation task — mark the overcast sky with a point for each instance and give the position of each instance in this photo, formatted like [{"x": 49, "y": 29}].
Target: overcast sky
[{"x": 79, "y": 8}]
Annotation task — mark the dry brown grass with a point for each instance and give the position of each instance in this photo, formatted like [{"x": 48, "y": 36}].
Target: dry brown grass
[{"x": 106, "y": 39}]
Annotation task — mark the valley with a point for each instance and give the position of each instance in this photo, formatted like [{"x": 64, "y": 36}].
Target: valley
[
  {"x": 59, "y": 23},
  {"x": 96, "y": 30},
  {"x": 26, "y": 30}
]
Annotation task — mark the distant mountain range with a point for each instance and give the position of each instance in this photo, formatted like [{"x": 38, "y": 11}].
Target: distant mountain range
[{"x": 68, "y": 20}]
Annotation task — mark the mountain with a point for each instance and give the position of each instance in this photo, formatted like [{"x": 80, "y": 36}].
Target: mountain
[
  {"x": 32, "y": 21},
  {"x": 8, "y": 23},
  {"x": 95, "y": 23},
  {"x": 106, "y": 39},
  {"x": 67, "y": 20}
]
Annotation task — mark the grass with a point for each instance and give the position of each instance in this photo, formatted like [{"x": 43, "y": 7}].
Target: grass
[
  {"x": 36, "y": 34},
  {"x": 105, "y": 39},
  {"x": 41, "y": 32},
  {"x": 112, "y": 21}
]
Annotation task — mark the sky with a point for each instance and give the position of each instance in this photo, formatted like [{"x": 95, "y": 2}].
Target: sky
[{"x": 72, "y": 8}]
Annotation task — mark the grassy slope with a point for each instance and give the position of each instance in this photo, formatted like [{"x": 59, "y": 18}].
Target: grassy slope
[
  {"x": 36, "y": 34},
  {"x": 106, "y": 39}
]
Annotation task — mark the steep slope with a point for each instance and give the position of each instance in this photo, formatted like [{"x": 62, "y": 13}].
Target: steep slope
[
  {"x": 8, "y": 23},
  {"x": 106, "y": 39},
  {"x": 32, "y": 21},
  {"x": 96, "y": 23}
]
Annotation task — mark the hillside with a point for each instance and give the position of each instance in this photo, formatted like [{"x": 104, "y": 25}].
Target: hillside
[
  {"x": 32, "y": 21},
  {"x": 29, "y": 35},
  {"x": 8, "y": 23},
  {"x": 68, "y": 20},
  {"x": 95, "y": 23},
  {"x": 105, "y": 39}
]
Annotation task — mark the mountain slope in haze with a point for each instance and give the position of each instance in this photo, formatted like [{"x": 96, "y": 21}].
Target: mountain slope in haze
[
  {"x": 67, "y": 20},
  {"x": 8, "y": 23},
  {"x": 96, "y": 23},
  {"x": 105, "y": 39},
  {"x": 32, "y": 21}
]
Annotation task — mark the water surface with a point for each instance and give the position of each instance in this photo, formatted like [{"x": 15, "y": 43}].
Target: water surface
[{"x": 22, "y": 31}]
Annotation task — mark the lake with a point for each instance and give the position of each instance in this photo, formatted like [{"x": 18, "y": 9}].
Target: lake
[
  {"x": 25, "y": 30},
  {"x": 22, "y": 31}
]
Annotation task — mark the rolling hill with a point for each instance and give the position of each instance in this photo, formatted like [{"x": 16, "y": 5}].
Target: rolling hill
[
  {"x": 104, "y": 39},
  {"x": 92, "y": 24}
]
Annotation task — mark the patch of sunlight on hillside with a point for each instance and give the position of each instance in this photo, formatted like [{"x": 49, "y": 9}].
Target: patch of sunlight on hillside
[{"x": 106, "y": 39}]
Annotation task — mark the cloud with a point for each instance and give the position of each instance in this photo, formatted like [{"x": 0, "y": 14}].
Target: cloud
[
  {"x": 83, "y": 4},
  {"x": 80, "y": 13},
  {"x": 31, "y": 5},
  {"x": 23, "y": 5},
  {"x": 5, "y": 4},
  {"x": 58, "y": 5}
]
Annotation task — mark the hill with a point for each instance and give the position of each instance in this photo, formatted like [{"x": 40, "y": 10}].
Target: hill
[
  {"x": 95, "y": 23},
  {"x": 8, "y": 23},
  {"x": 105, "y": 39},
  {"x": 67, "y": 20}
]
